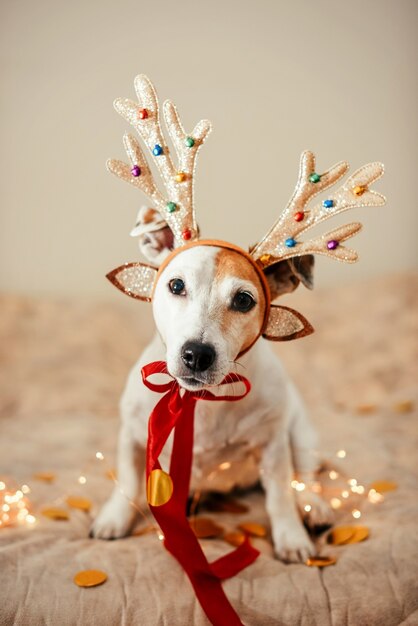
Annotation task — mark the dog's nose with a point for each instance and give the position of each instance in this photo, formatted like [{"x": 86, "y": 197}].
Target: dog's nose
[{"x": 198, "y": 356}]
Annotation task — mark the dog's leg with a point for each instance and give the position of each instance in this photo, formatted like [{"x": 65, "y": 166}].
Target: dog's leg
[
  {"x": 118, "y": 514},
  {"x": 291, "y": 541},
  {"x": 304, "y": 447}
]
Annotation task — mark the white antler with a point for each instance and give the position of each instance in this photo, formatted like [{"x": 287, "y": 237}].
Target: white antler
[
  {"x": 176, "y": 205},
  {"x": 282, "y": 241}
]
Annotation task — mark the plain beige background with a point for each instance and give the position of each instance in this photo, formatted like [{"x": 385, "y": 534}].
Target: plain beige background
[{"x": 274, "y": 77}]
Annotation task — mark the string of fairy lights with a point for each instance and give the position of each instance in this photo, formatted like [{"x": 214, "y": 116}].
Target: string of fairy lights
[{"x": 16, "y": 508}]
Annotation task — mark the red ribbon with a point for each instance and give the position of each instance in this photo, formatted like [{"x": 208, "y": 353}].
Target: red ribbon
[{"x": 175, "y": 411}]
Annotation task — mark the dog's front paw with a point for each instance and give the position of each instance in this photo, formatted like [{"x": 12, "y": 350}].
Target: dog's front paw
[
  {"x": 114, "y": 520},
  {"x": 314, "y": 510},
  {"x": 292, "y": 544}
]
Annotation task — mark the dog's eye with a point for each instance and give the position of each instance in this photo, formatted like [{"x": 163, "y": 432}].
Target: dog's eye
[
  {"x": 243, "y": 302},
  {"x": 177, "y": 286}
]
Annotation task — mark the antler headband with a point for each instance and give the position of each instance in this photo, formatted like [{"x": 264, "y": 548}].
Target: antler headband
[{"x": 176, "y": 207}]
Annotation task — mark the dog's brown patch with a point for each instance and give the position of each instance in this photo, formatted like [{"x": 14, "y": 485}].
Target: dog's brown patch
[
  {"x": 231, "y": 263},
  {"x": 150, "y": 216}
]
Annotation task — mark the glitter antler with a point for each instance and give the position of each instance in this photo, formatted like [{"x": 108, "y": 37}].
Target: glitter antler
[
  {"x": 281, "y": 241},
  {"x": 176, "y": 207}
]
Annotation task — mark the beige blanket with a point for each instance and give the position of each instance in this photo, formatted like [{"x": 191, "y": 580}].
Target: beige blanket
[{"x": 63, "y": 366}]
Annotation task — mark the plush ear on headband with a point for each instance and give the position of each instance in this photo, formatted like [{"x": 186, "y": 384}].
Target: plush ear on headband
[
  {"x": 134, "y": 279},
  {"x": 285, "y": 324}
]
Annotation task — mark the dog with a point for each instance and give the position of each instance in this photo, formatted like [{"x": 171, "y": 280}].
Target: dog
[{"x": 206, "y": 310}]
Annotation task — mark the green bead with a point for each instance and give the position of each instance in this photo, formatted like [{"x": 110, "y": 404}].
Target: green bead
[
  {"x": 171, "y": 207},
  {"x": 190, "y": 142},
  {"x": 314, "y": 178}
]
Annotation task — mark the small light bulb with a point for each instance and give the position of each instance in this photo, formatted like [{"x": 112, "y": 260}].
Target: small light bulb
[
  {"x": 99, "y": 456},
  {"x": 294, "y": 484},
  {"x": 341, "y": 454},
  {"x": 356, "y": 513},
  {"x": 308, "y": 508},
  {"x": 31, "y": 519},
  {"x": 161, "y": 537},
  {"x": 300, "y": 487},
  {"x": 352, "y": 482},
  {"x": 333, "y": 475},
  {"x": 2, "y": 485},
  {"x": 82, "y": 480},
  {"x": 345, "y": 494},
  {"x": 25, "y": 489},
  {"x": 335, "y": 503},
  {"x": 6, "y": 507}
]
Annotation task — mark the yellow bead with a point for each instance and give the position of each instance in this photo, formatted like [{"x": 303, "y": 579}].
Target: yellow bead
[
  {"x": 180, "y": 177},
  {"x": 359, "y": 190},
  {"x": 265, "y": 258}
]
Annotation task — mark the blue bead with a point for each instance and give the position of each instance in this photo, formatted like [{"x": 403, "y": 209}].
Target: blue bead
[
  {"x": 290, "y": 243},
  {"x": 328, "y": 204},
  {"x": 157, "y": 150}
]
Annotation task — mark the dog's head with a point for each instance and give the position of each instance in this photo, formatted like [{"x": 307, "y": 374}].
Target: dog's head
[{"x": 211, "y": 302}]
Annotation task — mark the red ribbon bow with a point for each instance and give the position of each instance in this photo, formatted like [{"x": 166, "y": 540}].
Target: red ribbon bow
[{"x": 175, "y": 411}]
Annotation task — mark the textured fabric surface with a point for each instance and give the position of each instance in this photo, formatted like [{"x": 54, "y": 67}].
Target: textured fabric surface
[{"x": 64, "y": 365}]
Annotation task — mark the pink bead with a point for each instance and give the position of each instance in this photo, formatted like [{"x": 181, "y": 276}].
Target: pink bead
[{"x": 333, "y": 244}]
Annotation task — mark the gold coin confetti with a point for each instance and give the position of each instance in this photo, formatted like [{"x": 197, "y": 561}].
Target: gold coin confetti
[
  {"x": 47, "y": 477},
  {"x": 404, "y": 407},
  {"x": 383, "y": 485},
  {"x": 360, "y": 534},
  {"x": 253, "y": 529},
  {"x": 226, "y": 505},
  {"x": 159, "y": 487},
  {"x": 90, "y": 578},
  {"x": 77, "y": 502},
  {"x": 56, "y": 513},
  {"x": 320, "y": 561},
  {"x": 234, "y": 538},
  {"x": 341, "y": 535},
  {"x": 204, "y": 527},
  {"x": 366, "y": 409}
]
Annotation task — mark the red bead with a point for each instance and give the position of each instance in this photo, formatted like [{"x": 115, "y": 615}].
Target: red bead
[
  {"x": 143, "y": 114},
  {"x": 187, "y": 234},
  {"x": 299, "y": 216}
]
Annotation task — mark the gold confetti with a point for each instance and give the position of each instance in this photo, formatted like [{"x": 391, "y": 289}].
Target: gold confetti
[
  {"x": 159, "y": 487},
  {"x": 360, "y": 534},
  {"x": 234, "y": 538},
  {"x": 404, "y": 407},
  {"x": 204, "y": 527},
  {"x": 341, "y": 535},
  {"x": 55, "y": 513},
  {"x": 253, "y": 529},
  {"x": 77, "y": 502},
  {"x": 383, "y": 485},
  {"x": 226, "y": 505},
  {"x": 90, "y": 578},
  {"x": 366, "y": 409},
  {"x": 320, "y": 561},
  {"x": 47, "y": 477}
]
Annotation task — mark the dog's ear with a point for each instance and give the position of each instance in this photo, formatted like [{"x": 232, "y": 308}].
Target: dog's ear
[
  {"x": 285, "y": 324},
  {"x": 156, "y": 245},
  {"x": 155, "y": 238},
  {"x": 285, "y": 276},
  {"x": 135, "y": 279}
]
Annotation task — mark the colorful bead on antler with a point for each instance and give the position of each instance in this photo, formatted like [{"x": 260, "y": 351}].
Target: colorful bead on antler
[
  {"x": 177, "y": 180},
  {"x": 283, "y": 240}
]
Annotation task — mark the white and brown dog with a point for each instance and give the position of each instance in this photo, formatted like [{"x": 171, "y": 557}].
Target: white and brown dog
[
  {"x": 207, "y": 309},
  {"x": 211, "y": 303}
]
